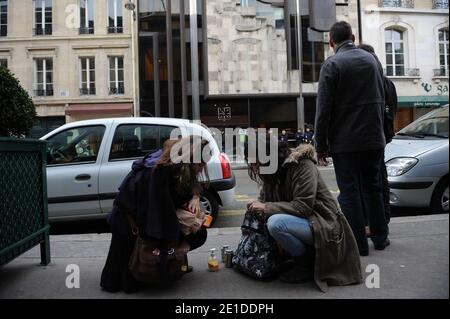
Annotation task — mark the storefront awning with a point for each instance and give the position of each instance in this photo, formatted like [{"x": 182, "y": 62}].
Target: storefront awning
[
  {"x": 114, "y": 108},
  {"x": 422, "y": 101}
]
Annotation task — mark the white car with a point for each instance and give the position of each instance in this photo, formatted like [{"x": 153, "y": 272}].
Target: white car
[
  {"x": 417, "y": 163},
  {"x": 87, "y": 161}
]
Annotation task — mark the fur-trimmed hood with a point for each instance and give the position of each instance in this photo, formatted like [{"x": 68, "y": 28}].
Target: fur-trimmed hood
[{"x": 304, "y": 151}]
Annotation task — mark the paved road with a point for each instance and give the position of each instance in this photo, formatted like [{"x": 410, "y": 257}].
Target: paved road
[
  {"x": 246, "y": 189},
  {"x": 230, "y": 216}
]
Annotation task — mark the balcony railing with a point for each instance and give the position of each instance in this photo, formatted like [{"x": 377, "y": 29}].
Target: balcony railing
[
  {"x": 440, "y": 4},
  {"x": 87, "y": 91},
  {"x": 407, "y": 72},
  {"x": 440, "y": 72},
  {"x": 396, "y": 3},
  {"x": 48, "y": 92},
  {"x": 115, "y": 29},
  {"x": 43, "y": 31},
  {"x": 84, "y": 30},
  {"x": 118, "y": 90}
]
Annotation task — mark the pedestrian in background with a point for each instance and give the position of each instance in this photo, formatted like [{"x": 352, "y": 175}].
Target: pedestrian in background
[
  {"x": 299, "y": 137},
  {"x": 390, "y": 110},
  {"x": 284, "y": 136},
  {"x": 308, "y": 136},
  {"x": 349, "y": 126}
]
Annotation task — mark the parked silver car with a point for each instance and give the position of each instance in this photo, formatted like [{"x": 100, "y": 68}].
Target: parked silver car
[
  {"x": 417, "y": 163},
  {"x": 88, "y": 160}
]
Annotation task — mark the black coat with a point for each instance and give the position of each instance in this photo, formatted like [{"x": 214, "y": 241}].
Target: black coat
[
  {"x": 148, "y": 194},
  {"x": 350, "y": 102}
]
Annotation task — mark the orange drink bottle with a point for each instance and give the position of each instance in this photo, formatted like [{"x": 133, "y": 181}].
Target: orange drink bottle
[
  {"x": 213, "y": 263},
  {"x": 208, "y": 221}
]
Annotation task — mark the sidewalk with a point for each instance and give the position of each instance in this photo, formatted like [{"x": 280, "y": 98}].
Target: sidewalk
[{"x": 416, "y": 265}]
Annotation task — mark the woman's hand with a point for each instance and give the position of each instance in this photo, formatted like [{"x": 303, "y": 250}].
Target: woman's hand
[
  {"x": 194, "y": 205},
  {"x": 250, "y": 203},
  {"x": 257, "y": 206}
]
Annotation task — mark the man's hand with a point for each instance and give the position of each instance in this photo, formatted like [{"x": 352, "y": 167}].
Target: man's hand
[
  {"x": 257, "y": 207},
  {"x": 194, "y": 205},
  {"x": 322, "y": 158}
]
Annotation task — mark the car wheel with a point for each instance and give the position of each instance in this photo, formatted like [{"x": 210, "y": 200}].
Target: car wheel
[
  {"x": 210, "y": 205},
  {"x": 439, "y": 202}
]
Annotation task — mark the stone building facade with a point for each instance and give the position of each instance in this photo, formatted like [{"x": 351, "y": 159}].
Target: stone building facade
[
  {"x": 74, "y": 57},
  {"x": 411, "y": 39}
]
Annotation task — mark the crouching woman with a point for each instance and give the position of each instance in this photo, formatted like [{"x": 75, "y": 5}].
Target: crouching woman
[
  {"x": 149, "y": 197},
  {"x": 305, "y": 220}
]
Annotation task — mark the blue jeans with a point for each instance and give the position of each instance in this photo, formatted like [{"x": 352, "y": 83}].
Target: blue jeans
[{"x": 292, "y": 233}]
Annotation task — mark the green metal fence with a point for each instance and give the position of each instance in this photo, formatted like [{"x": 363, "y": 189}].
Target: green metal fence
[{"x": 23, "y": 199}]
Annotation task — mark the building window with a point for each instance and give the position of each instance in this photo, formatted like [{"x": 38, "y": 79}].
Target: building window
[
  {"x": 396, "y": 3},
  {"x": 3, "y": 18},
  {"x": 440, "y": 4},
  {"x": 87, "y": 76},
  {"x": 444, "y": 55},
  {"x": 116, "y": 75},
  {"x": 86, "y": 16},
  {"x": 43, "y": 77},
  {"x": 4, "y": 63},
  {"x": 42, "y": 17},
  {"x": 266, "y": 10},
  {"x": 395, "y": 52},
  {"x": 115, "y": 16}
]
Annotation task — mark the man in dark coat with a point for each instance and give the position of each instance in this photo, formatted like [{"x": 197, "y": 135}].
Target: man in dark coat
[
  {"x": 349, "y": 126},
  {"x": 390, "y": 110}
]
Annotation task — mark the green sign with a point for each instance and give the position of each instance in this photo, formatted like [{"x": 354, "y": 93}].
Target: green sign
[{"x": 422, "y": 101}]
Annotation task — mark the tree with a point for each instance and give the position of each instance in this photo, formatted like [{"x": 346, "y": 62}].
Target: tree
[{"x": 17, "y": 111}]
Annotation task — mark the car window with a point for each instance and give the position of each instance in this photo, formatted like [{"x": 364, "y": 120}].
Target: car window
[
  {"x": 77, "y": 145},
  {"x": 428, "y": 126},
  {"x": 136, "y": 140}
]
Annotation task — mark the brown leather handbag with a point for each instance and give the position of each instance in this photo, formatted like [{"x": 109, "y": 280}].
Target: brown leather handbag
[{"x": 154, "y": 262}]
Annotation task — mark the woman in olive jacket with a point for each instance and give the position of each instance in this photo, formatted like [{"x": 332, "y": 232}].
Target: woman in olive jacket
[{"x": 306, "y": 221}]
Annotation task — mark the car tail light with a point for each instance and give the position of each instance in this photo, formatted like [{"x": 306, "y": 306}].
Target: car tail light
[{"x": 226, "y": 167}]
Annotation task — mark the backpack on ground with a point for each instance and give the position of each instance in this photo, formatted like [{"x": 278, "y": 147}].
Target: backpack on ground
[{"x": 257, "y": 252}]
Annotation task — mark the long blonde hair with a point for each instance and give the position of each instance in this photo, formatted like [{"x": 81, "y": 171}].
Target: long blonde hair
[{"x": 186, "y": 177}]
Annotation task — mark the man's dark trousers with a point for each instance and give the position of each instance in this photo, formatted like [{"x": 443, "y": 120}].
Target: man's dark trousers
[{"x": 358, "y": 177}]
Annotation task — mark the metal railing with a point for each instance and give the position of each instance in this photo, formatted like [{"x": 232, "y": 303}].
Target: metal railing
[
  {"x": 23, "y": 199},
  {"x": 87, "y": 91},
  {"x": 440, "y": 72},
  {"x": 440, "y": 4},
  {"x": 48, "y": 92},
  {"x": 43, "y": 31},
  {"x": 412, "y": 72},
  {"x": 84, "y": 30},
  {"x": 396, "y": 3},
  {"x": 115, "y": 29},
  {"x": 117, "y": 90}
]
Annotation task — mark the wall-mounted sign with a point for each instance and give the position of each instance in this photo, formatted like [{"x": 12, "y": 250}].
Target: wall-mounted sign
[{"x": 224, "y": 113}]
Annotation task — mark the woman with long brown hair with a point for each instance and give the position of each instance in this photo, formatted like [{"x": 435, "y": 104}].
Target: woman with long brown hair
[
  {"x": 158, "y": 185},
  {"x": 303, "y": 217}
]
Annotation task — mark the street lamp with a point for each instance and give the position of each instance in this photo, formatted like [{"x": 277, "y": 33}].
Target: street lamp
[
  {"x": 130, "y": 6},
  {"x": 300, "y": 101}
]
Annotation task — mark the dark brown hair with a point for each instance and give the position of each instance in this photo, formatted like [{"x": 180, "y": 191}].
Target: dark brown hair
[{"x": 283, "y": 153}]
